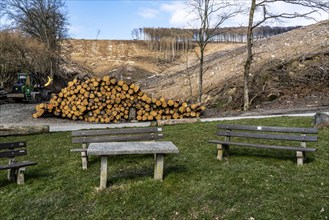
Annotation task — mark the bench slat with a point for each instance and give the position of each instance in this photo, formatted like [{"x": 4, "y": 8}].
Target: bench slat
[
  {"x": 119, "y": 148},
  {"x": 79, "y": 150},
  {"x": 12, "y": 153},
  {"x": 269, "y": 128},
  {"x": 263, "y": 146},
  {"x": 11, "y": 145},
  {"x": 116, "y": 131},
  {"x": 17, "y": 165},
  {"x": 98, "y": 139},
  {"x": 268, "y": 136}
]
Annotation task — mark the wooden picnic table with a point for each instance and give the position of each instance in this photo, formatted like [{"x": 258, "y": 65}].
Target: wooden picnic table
[{"x": 159, "y": 149}]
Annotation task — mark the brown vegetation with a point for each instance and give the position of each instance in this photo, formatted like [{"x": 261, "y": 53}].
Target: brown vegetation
[{"x": 19, "y": 53}]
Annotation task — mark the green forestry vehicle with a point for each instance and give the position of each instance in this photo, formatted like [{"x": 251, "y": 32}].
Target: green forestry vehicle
[{"x": 28, "y": 89}]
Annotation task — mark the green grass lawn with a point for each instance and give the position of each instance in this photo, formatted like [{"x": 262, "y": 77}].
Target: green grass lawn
[{"x": 251, "y": 183}]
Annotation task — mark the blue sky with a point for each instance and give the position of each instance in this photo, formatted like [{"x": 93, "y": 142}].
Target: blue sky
[{"x": 115, "y": 19}]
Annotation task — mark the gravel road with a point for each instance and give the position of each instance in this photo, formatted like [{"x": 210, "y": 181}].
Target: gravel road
[{"x": 21, "y": 114}]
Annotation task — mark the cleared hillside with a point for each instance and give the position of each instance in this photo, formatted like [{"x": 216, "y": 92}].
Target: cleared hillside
[
  {"x": 129, "y": 60},
  {"x": 289, "y": 69}
]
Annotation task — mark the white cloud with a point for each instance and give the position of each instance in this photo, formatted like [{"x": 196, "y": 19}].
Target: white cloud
[
  {"x": 148, "y": 12},
  {"x": 180, "y": 15},
  {"x": 277, "y": 7},
  {"x": 178, "y": 12}
]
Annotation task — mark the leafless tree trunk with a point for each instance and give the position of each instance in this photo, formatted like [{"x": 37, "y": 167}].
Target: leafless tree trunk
[
  {"x": 248, "y": 62},
  {"x": 211, "y": 14}
]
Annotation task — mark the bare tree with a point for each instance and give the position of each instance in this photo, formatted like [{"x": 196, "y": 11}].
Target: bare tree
[
  {"x": 135, "y": 34},
  {"x": 44, "y": 20},
  {"x": 98, "y": 32},
  {"x": 210, "y": 14},
  {"x": 263, "y": 7},
  {"x": 19, "y": 52},
  {"x": 2, "y": 8}
]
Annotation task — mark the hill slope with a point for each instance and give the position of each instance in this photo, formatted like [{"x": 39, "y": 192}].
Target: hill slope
[
  {"x": 130, "y": 60},
  {"x": 289, "y": 69}
]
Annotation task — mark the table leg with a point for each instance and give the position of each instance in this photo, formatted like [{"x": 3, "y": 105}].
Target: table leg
[
  {"x": 103, "y": 176},
  {"x": 158, "y": 166}
]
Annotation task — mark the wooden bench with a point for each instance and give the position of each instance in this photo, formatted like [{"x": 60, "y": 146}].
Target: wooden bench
[
  {"x": 85, "y": 137},
  {"x": 246, "y": 134},
  {"x": 158, "y": 148},
  {"x": 15, "y": 169}
]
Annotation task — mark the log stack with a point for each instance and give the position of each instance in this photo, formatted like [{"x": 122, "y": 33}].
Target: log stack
[{"x": 108, "y": 100}]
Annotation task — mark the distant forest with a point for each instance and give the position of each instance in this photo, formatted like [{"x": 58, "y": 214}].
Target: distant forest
[
  {"x": 172, "y": 41},
  {"x": 182, "y": 39}
]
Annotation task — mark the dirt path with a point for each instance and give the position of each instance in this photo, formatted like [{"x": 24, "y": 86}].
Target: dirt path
[{"x": 14, "y": 114}]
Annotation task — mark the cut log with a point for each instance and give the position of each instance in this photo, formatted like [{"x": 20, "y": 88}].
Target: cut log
[
  {"x": 9, "y": 130},
  {"x": 109, "y": 100}
]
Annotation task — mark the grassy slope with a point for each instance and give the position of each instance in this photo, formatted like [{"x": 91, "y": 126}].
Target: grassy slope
[{"x": 251, "y": 183}]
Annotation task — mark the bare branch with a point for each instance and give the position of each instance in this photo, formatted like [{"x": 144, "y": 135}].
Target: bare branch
[{"x": 44, "y": 20}]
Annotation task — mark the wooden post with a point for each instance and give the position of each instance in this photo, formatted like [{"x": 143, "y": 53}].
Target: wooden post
[
  {"x": 12, "y": 172},
  {"x": 226, "y": 147},
  {"x": 158, "y": 166},
  {"x": 103, "y": 176},
  {"x": 220, "y": 152},
  {"x": 301, "y": 154},
  {"x": 15, "y": 130},
  {"x": 20, "y": 176},
  {"x": 84, "y": 157},
  {"x": 300, "y": 157}
]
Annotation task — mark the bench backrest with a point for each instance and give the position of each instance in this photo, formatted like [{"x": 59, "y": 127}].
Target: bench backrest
[
  {"x": 117, "y": 135},
  {"x": 9, "y": 150},
  {"x": 268, "y": 132}
]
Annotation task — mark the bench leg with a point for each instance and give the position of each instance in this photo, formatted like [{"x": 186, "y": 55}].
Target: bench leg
[
  {"x": 84, "y": 158},
  {"x": 12, "y": 174},
  {"x": 300, "y": 157},
  {"x": 158, "y": 166},
  {"x": 222, "y": 150},
  {"x": 103, "y": 175},
  {"x": 20, "y": 176}
]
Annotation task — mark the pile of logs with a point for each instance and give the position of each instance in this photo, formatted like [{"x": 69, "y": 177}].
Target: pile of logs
[{"x": 109, "y": 100}]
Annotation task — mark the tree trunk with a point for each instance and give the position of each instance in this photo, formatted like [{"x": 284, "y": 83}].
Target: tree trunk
[
  {"x": 200, "y": 75},
  {"x": 8, "y": 130},
  {"x": 248, "y": 62}
]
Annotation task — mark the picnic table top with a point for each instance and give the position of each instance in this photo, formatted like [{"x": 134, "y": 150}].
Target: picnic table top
[{"x": 119, "y": 148}]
